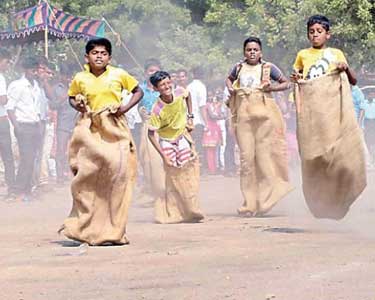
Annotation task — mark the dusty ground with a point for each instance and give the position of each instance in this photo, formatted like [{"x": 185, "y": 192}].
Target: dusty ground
[{"x": 286, "y": 256}]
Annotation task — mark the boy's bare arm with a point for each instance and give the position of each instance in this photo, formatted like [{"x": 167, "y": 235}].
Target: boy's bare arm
[
  {"x": 12, "y": 118},
  {"x": 281, "y": 85},
  {"x": 154, "y": 142},
  {"x": 134, "y": 100},
  {"x": 295, "y": 76},
  {"x": 361, "y": 116},
  {"x": 3, "y": 100},
  {"x": 78, "y": 103},
  {"x": 190, "y": 123},
  {"x": 229, "y": 84},
  {"x": 344, "y": 67},
  {"x": 48, "y": 88},
  {"x": 188, "y": 104}
]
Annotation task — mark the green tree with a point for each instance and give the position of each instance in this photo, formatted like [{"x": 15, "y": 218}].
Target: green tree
[
  {"x": 281, "y": 24},
  {"x": 186, "y": 33}
]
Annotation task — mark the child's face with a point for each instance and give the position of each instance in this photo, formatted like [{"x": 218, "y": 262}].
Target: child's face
[
  {"x": 182, "y": 78},
  {"x": 151, "y": 70},
  {"x": 44, "y": 72},
  {"x": 252, "y": 53},
  {"x": 4, "y": 64},
  {"x": 98, "y": 58},
  {"x": 174, "y": 77},
  {"x": 318, "y": 36},
  {"x": 165, "y": 87},
  {"x": 31, "y": 73}
]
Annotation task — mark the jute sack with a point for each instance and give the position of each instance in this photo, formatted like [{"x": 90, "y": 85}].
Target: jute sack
[
  {"x": 180, "y": 201},
  {"x": 331, "y": 149},
  {"x": 102, "y": 158},
  {"x": 152, "y": 165},
  {"x": 260, "y": 133}
]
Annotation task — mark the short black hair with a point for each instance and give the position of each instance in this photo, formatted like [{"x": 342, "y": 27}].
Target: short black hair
[
  {"x": 30, "y": 63},
  {"x": 66, "y": 70},
  {"x": 159, "y": 76},
  {"x": 198, "y": 72},
  {"x": 43, "y": 61},
  {"x": 319, "y": 19},
  {"x": 183, "y": 71},
  {"x": 252, "y": 39},
  {"x": 152, "y": 62},
  {"x": 91, "y": 44},
  {"x": 5, "y": 54}
]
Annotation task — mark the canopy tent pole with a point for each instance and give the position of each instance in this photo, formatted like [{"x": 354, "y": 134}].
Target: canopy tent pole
[
  {"x": 70, "y": 45},
  {"x": 46, "y": 42},
  {"x": 45, "y": 32},
  {"x": 123, "y": 44}
]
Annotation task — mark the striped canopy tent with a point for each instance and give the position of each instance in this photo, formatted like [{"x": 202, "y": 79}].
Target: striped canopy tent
[{"x": 44, "y": 22}]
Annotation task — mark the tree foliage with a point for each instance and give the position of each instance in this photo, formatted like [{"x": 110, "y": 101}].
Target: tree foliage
[
  {"x": 185, "y": 33},
  {"x": 281, "y": 24}
]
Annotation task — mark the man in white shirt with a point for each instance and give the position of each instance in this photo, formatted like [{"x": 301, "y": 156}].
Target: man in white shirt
[
  {"x": 198, "y": 94},
  {"x": 6, "y": 152},
  {"x": 23, "y": 109},
  {"x": 44, "y": 92}
]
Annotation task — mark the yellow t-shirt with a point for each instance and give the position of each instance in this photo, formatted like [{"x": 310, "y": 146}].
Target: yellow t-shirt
[
  {"x": 317, "y": 62},
  {"x": 169, "y": 119},
  {"x": 104, "y": 90}
]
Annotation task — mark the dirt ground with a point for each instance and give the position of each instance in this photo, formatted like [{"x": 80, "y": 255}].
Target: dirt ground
[{"x": 287, "y": 255}]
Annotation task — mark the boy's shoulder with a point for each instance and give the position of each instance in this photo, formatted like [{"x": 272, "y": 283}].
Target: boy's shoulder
[
  {"x": 17, "y": 82},
  {"x": 111, "y": 69},
  {"x": 117, "y": 70},
  {"x": 81, "y": 75},
  {"x": 309, "y": 51},
  {"x": 157, "y": 107},
  {"x": 304, "y": 51}
]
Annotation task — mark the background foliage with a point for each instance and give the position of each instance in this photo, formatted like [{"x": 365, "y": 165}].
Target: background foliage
[{"x": 186, "y": 33}]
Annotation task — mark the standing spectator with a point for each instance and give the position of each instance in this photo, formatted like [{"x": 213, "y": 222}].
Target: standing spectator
[
  {"x": 66, "y": 119},
  {"x": 5, "y": 139},
  {"x": 173, "y": 74},
  {"x": 24, "y": 112},
  {"x": 150, "y": 96},
  {"x": 42, "y": 84},
  {"x": 150, "y": 161},
  {"x": 198, "y": 94},
  {"x": 230, "y": 167},
  {"x": 358, "y": 101},
  {"x": 219, "y": 94},
  {"x": 182, "y": 80},
  {"x": 291, "y": 133},
  {"x": 212, "y": 136},
  {"x": 367, "y": 117}
]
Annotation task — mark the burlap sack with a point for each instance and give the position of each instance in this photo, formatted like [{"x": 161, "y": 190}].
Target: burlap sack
[
  {"x": 260, "y": 133},
  {"x": 152, "y": 165},
  {"x": 329, "y": 139},
  {"x": 180, "y": 201},
  {"x": 103, "y": 160}
]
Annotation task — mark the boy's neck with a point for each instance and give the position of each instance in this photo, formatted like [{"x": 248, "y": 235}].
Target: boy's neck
[
  {"x": 319, "y": 48},
  {"x": 167, "y": 98},
  {"x": 30, "y": 79},
  {"x": 149, "y": 85},
  {"x": 258, "y": 63},
  {"x": 98, "y": 72}
]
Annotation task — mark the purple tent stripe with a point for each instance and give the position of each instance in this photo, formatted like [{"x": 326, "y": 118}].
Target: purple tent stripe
[
  {"x": 67, "y": 27},
  {"x": 87, "y": 28},
  {"x": 58, "y": 14},
  {"x": 44, "y": 14}
]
